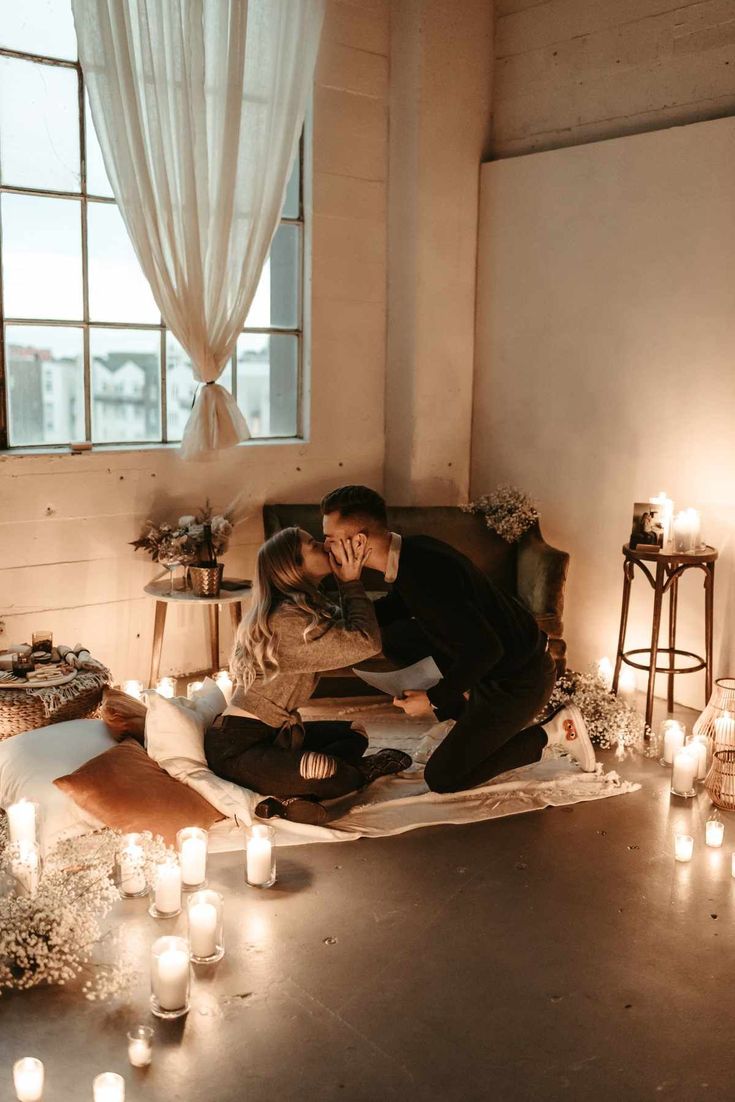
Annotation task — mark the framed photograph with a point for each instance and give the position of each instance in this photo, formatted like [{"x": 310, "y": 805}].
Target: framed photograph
[{"x": 647, "y": 527}]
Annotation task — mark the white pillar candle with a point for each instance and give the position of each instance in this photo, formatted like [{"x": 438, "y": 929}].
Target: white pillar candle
[
  {"x": 673, "y": 741},
  {"x": 28, "y": 1079},
  {"x": 170, "y": 973},
  {"x": 109, "y": 1087},
  {"x": 684, "y": 772},
  {"x": 684, "y": 847},
  {"x": 626, "y": 684},
  {"x": 714, "y": 832},
  {"x": 605, "y": 672},
  {"x": 697, "y": 745},
  {"x": 132, "y": 865},
  {"x": 167, "y": 888},
  {"x": 140, "y": 1046},
  {"x": 166, "y": 687},
  {"x": 725, "y": 731},
  {"x": 259, "y": 858},
  {"x": 25, "y": 866},
  {"x": 133, "y": 688},
  {"x": 22, "y": 822},
  {"x": 203, "y": 929},
  {"x": 687, "y": 531},
  {"x": 192, "y": 688},
  {"x": 666, "y": 514},
  {"x": 193, "y": 856},
  {"x": 224, "y": 683}
]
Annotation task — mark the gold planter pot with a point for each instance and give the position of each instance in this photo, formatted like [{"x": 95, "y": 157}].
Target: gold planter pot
[{"x": 206, "y": 579}]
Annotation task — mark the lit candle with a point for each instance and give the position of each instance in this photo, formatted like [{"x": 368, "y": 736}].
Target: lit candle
[
  {"x": 109, "y": 1087},
  {"x": 605, "y": 672},
  {"x": 140, "y": 1046},
  {"x": 28, "y": 1079},
  {"x": 192, "y": 688},
  {"x": 684, "y": 847},
  {"x": 687, "y": 531},
  {"x": 166, "y": 687},
  {"x": 666, "y": 513},
  {"x": 684, "y": 773},
  {"x": 25, "y": 866},
  {"x": 697, "y": 744},
  {"x": 626, "y": 684},
  {"x": 259, "y": 871},
  {"x": 714, "y": 832},
  {"x": 224, "y": 683},
  {"x": 22, "y": 822},
  {"x": 205, "y": 926},
  {"x": 192, "y": 842},
  {"x": 725, "y": 731},
  {"x": 673, "y": 741},
  {"x": 170, "y": 977},
  {"x": 132, "y": 866},
  {"x": 133, "y": 688},
  {"x": 167, "y": 888}
]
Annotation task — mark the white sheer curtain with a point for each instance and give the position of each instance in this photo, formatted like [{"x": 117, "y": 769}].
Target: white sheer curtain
[{"x": 198, "y": 106}]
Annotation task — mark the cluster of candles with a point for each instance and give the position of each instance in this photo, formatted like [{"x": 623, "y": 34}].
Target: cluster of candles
[
  {"x": 682, "y": 532},
  {"x": 714, "y": 833},
  {"x": 171, "y": 956},
  {"x": 166, "y": 686},
  {"x": 687, "y": 757}
]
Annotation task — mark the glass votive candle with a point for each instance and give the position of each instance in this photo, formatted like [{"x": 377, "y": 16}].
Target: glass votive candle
[
  {"x": 108, "y": 1087},
  {"x": 166, "y": 889},
  {"x": 672, "y": 737},
  {"x": 166, "y": 686},
  {"x": 684, "y": 847},
  {"x": 170, "y": 971},
  {"x": 130, "y": 861},
  {"x": 192, "y": 688},
  {"x": 133, "y": 688},
  {"x": 697, "y": 745},
  {"x": 28, "y": 1076},
  {"x": 22, "y": 821},
  {"x": 684, "y": 773},
  {"x": 627, "y": 684},
  {"x": 25, "y": 866},
  {"x": 260, "y": 857},
  {"x": 206, "y": 927},
  {"x": 224, "y": 684},
  {"x": 191, "y": 843},
  {"x": 714, "y": 832},
  {"x": 140, "y": 1046}
]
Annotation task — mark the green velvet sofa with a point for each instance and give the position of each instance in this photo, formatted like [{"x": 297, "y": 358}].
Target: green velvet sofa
[{"x": 531, "y": 569}]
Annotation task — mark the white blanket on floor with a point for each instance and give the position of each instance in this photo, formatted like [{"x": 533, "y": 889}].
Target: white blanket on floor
[{"x": 394, "y": 805}]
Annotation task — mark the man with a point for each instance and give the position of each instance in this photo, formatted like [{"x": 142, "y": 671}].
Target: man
[{"x": 497, "y": 671}]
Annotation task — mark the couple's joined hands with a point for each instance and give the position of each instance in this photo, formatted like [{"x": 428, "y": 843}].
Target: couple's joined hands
[{"x": 347, "y": 558}]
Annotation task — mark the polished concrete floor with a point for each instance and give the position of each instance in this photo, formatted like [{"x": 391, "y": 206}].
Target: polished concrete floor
[{"x": 561, "y": 954}]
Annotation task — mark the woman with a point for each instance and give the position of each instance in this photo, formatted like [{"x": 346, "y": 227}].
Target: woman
[{"x": 292, "y": 633}]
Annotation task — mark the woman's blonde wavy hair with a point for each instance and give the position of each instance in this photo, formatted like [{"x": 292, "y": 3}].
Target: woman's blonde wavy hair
[{"x": 279, "y": 580}]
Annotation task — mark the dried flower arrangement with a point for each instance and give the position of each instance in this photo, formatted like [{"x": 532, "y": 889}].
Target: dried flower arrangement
[
  {"x": 200, "y": 537},
  {"x": 56, "y": 936},
  {"x": 611, "y": 722},
  {"x": 507, "y": 510}
]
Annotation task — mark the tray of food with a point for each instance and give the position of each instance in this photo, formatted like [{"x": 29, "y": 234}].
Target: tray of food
[{"x": 46, "y": 677}]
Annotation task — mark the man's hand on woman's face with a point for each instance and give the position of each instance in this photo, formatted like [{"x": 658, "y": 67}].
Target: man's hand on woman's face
[{"x": 347, "y": 557}]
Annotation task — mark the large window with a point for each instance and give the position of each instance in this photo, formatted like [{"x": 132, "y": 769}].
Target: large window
[{"x": 85, "y": 354}]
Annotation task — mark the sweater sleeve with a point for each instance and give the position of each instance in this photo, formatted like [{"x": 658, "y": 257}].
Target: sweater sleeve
[{"x": 343, "y": 642}]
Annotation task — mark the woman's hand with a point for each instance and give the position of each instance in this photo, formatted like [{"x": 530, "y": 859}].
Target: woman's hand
[
  {"x": 414, "y": 704},
  {"x": 347, "y": 558}
]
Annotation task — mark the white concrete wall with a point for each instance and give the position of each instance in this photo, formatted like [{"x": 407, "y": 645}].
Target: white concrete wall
[
  {"x": 604, "y": 371},
  {"x": 572, "y": 71},
  {"x": 65, "y": 521}
]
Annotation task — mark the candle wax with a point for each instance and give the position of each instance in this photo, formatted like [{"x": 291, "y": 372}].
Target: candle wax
[{"x": 259, "y": 860}]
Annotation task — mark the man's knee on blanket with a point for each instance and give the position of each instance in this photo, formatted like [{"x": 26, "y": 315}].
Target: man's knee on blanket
[{"x": 439, "y": 779}]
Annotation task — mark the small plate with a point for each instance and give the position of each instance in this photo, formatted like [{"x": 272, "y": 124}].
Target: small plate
[{"x": 21, "y": 683}]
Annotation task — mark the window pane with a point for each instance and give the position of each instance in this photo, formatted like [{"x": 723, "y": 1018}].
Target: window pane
[
  {"x": 97, "y": 181},
  {"x": 291, "y": 202},
  {"x": 45, "y": 376},
  {"x": 43, "y": 27},
  {"x": 181, "y": 387},
  {"x": 42, "y": 258},
  {"x": 118, "y": 290},
  {"x": 276, "y": 303},
  {"x": 267, "y": 383},
  {"x": 126, "y": 385},
  {"x": 39, "y": 125}
]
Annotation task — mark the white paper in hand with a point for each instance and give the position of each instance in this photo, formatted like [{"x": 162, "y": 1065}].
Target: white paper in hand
[{"x": 421, "y": 676}]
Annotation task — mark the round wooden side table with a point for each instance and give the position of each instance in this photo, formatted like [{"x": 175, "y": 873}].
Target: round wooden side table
[
  {"x": 160, "y": 590},
  {"x": 665, "y": 578}
]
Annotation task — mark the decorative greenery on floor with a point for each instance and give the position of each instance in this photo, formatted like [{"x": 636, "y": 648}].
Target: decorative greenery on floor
[
  {"x": 611, "y": 722},
  {"x": 507, "y": 510},
  {"x": 57, "y": 935}
]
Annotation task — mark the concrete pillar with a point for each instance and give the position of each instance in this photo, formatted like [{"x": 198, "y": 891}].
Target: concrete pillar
[{"x": 440, "y": 97}]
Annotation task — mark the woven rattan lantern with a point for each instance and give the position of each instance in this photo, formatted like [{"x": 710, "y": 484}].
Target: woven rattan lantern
[
  {"x": 720, "y": 782},
  {"x": 717, "y": 721}
]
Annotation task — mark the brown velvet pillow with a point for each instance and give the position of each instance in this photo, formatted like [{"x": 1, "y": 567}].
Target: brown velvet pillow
[{"x": 128, "y": 791}]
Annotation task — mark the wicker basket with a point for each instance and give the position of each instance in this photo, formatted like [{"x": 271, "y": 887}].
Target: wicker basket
[
  {"x": 720, "y": 782},
  {"x": 21, "y": 710},
  {"x": 206, "y": 579}
]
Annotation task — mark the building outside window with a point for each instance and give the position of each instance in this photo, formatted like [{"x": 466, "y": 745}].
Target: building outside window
[{"x": 85, "y": 353}]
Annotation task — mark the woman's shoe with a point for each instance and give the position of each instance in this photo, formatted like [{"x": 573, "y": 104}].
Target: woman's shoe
[
  {"x": 296, "y": 809},
  {"x": 384, "y": 763}
]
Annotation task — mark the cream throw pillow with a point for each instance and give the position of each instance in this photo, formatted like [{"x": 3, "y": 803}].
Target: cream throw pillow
[{"x": 174, "y": 728}]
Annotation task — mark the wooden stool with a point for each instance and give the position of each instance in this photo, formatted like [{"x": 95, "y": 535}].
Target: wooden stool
[
  {"x": 160, "y": 591},
  {"x": 669, "y": 569}
]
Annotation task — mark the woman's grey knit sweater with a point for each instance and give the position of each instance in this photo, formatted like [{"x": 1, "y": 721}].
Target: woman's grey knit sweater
[{"x": 342, "y": 642}]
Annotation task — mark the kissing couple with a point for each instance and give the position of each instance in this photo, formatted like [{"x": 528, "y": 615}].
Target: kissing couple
[{"x": 497, "y": 673}]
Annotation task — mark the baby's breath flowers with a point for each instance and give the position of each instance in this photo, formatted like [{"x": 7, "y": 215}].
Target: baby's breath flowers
[
  {"x": 58, "y": 935},
  {"x": 611, "y": 722},
  {"x": 507, "y": 510}
]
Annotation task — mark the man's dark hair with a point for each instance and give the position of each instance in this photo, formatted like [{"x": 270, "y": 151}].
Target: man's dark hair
[{"x": 356, "y": 501}]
